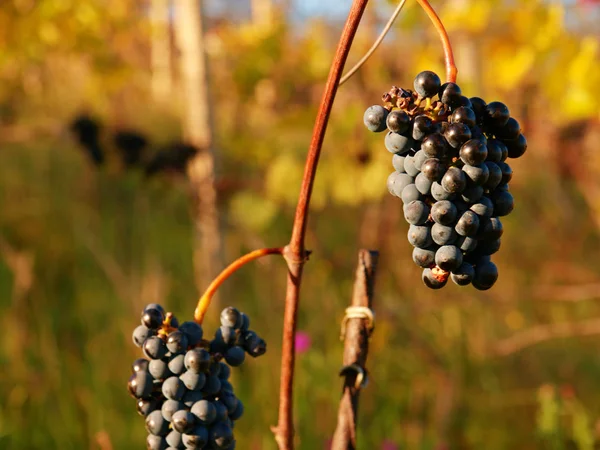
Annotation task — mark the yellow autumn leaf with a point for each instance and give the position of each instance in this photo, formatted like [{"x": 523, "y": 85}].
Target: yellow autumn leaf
[
  {"x": 510, "y": 66},
  {"x": 466, "y": 16},
  {"x": 547, "y": 33}
]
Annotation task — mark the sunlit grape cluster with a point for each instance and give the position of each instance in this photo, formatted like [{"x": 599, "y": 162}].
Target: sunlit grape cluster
[
  {"x": 449, "y": 155},
  {"x": 182, "y": 387}
]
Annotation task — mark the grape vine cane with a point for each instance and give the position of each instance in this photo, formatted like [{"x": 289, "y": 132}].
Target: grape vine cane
[{"x": 449, "y": 155}]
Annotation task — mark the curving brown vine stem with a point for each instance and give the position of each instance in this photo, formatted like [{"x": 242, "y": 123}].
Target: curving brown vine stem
[
  {"x": 451, "y": 69},
  {"x": 206, "y": 298},
  {"x": 295, "y": 252}
]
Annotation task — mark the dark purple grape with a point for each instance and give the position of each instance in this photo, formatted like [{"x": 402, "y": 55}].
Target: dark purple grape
[
  {"x": 177, "y": 342},
  {"x": 473, "y": 152},
  {"x": 489, "y": 247},
  {"x": 443, "y": 235},
  {"x": 494, "y": 177},
  {"x": 197, "y": 360},
  {"x": 464, "y": 101},
  {"x": 433, "y": 280},
  {"x": 191, "y": 397},
  {"x": 193, "y": 381},
  {"x": 463, "y": 115},
  {"x": 227, "y": 335},
  {"x": 204, "y": 411},
  {"x": 374, "y": 118},
  {"x": 477, "y": 175},
  {"x": 516, "y": 147},
  {"x": 177, "y": 364},
  {"x": 491, "y": 229},
  {"x": 398, "y": 163},
  {"x": 419, "y": 236},
  {"x": 197, "y": 438},
  {"x": 152, "y": 318},
  {"x": 224, "y": 372},
  {"x": 448, "y": 257},
  {"x": 173, "y": 388},
  {"x": 444, "y": 212},
  {"x": 409, "y": 167},
  {"x": 423, "y": 257},
  {"x": 457, "y": 134},
  {"x": 159, "y": 369},
  {"x": 141, "y": 333},
  {"x": 423, "y": 184},
  {"x": 497, "y": 151},
  {"x": 212, "y": 385},
  {"x": 466, "y": 244},
  {"x": 398, "y": 143},
  {"x": 433, "y": 169},
  {"x": 154, "y": 348},
  {"x": 231, "y": 317},
  {"x": 427, "y": 84},
  {"x": 170, "y": 407},
  {"x": 454, "y": 180},
  {"x": 156, "y": 424},
  {"x": 477, "y": 133},
  {"x": 472, "y": 194},
  {"x": 183, "y": 421},
  {"x": 140, "y": 384},
  {"x": 175, "y": 439},
  {"x": 237, "y": 413},
  {"x": 419, "y": 158},
  {"x": 235, "y": 356},
  {"x": 463, "y": 275},
  {"x": 510, "y": 130},
  {"x": 503, "y": 203},
  {"x": 450, "y": 94},
  {"x": 435, "y": 146},
  {"x": 229, "y": 400},
  {"x": 478, "y": 105},
  {"x": 486, "y": 274},
  {"x": 193, "y": 332},
  {"x": 507, "y": 172},
  {"x": 439, "y": 193},
  {"x": 468, "y": 224},
  {"x": 221, "y": 435},
  {"x": 422, "y": 126},
  {"x": 396, "y": 182},
  {"x": 398, "y": 121},
  {"x": 496, "y": 114},
  {"x": 411, "y": 193},
  {"x": 140, "y": 365},
  {"x": 145, "y": 406},
  {"x": 484, "y": 207},
  {"x": 416, "y": 212},
  {"x": 155, "y": 442}
]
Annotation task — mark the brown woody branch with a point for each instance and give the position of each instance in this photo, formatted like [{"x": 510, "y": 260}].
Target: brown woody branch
[
  {"x": 356, "y": 348},
  {"x": 295, "y": 253}
]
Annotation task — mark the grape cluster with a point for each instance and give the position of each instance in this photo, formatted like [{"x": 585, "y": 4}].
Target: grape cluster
[
  {"x": 449, "y": 156},
  {"x": 182, "y": 386}
]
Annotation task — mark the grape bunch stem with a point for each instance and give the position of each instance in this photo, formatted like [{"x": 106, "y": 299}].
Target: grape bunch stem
[
  {"x": 451, "y": 69},
  {"x": 206, "y": 298}
]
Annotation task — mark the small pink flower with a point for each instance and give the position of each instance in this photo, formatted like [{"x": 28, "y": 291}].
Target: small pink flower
[
  {"x": 303, "y": 342},
  {"x": 389, "y": 445}
]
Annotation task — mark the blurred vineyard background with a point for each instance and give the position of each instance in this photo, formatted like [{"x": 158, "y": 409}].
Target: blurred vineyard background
[{"x": 84, "y": 247}]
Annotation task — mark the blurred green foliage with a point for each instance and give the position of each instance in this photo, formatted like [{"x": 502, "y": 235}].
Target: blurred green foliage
[{"x": 84, "y": 249}]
